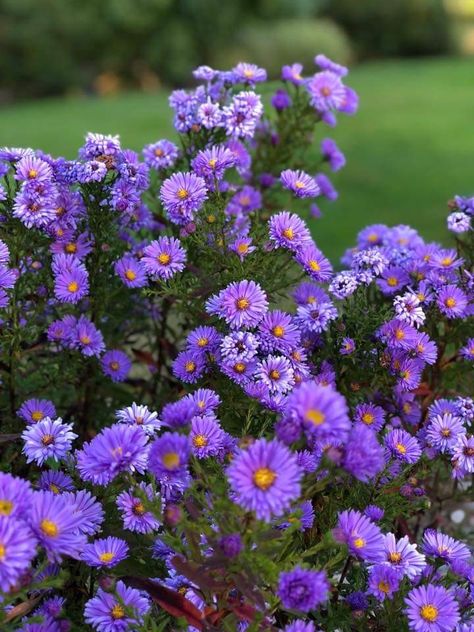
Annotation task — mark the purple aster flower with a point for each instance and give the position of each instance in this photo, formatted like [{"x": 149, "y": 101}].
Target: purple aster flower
[
  {"x": 314, "y": 263},
  {"x": 287, "y": 230},
  {"x": 425, "y": 349},
  {"x": 55, "y": 481},
  {"x": 384, "y": 581},
  {"x": 281, "y": 100},
  {"x": 182, "y": 195},
  {"x": 443, "y": 431},
  {"x": 135, "y": 515},
  {"x": 249, "y": 73},
  {"x": 47, "y": 439},
  {"x": 321, "y": 410},
  {"x": 239, "y": 346},
  {"x": 363, "y": 538},
  {"x": 445, "y": 259},
  {"x": 209, "y": 114},
  {"x": 119, "y": 448},
  {"x": 31, "y": 168},
  {"x": 276, "y": 373},
  {"x": 231, "y": 544},
  {"x": 242, "y": 115},
  {"x": 357, "y": 601},
  {"x": 316, "y": 317},
  {"x": 160, "y": 155},
  {"x": 206, "y": 436},
  {"x": 106, "y": 552},
  {"x": 265, "y": 478},
  {"x": 300, "y": 183},
  {"x": 344, "y": 284},
  {"x": 244, "y": 201},
  {"x": 34, "y": 410},
  {"x": 204, "y": 339},
  {"x": 326, "y": 187},
  {"x": 293, "y": 74},
  {"x": 371, "y": 415},
  {"x": 71, "y": 280},
  {"x": 92, "y": 171},
  {"x": 403, "y": 446},
  {"x": 87, "y": 510},
  {"x": 398, "y": 334},
  {"x": 302, "y": 589},
  {"x": 431, "y": 609},
  {"x": 7, "y": 277},
  {"x": 17, "y": 549},
  {"x": 15, "y": 496},
  {"x": 55, "y": 526},
  {"x": 212, "y": 163},
  {"x": 403, "y": 556},
  {"x": 189, "y": 366},
  {"x": 131, "y": 271},
  {"x": 116, "y": 365},
  {"x": 326, "y": 91},
  {"x": 178, "y": 413},
  {"x": 164, "y": 257},
  {"x": 169, "y": 457},
  {"x": 452, "y": 302},
  {"x": 99, "y": 145},
  {"x": 408, "y": 308},
  {"x": 33, "y": 209},
  {"x": 392, "y": 279},
  {"x": 304, "y": 514},
  {"x": 374, "y": 513},
  {"x": 242, "y": 304},
  {"x": 279, "y": 332},
  {"x": 364, "y": 456},
  {"x": 242, "y": 247},
  {"x": 408, "y": 371},
  {"x": 141, "y": 416},
  {"x": 87, "y": 338},
  {"x": 332, "y": 154},
  {"x": 119, "y": 612},
  {"x": 204, "y": 400},
  {"x": 467, "y": 351},
  {"x": 459, "y": 222},
  {"x": 444, "y": 547}
]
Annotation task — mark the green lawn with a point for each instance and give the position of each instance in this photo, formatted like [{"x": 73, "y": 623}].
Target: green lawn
[{"x": 409, "y": 148}]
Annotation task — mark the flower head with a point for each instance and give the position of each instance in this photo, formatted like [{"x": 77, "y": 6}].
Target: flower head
[
  {"x": 431, "y": 609},
  {"x": 47, "y": 439},
  {"x": 164, "y": 257},
  {"x": 182, "y": 195},
  {"x": 119, "y": 612},
  {"x": 363, "y": 538},
  {"x": 105, "y": 552},
  {"x": 116, "y": 364},
  {"x": 302, "y": 589}
]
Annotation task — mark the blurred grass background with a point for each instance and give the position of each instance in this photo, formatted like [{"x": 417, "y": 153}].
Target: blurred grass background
[{"x": 409, "y": 148}]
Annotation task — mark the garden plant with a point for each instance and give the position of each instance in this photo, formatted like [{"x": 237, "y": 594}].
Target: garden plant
[{"x": 204, "y": 425}]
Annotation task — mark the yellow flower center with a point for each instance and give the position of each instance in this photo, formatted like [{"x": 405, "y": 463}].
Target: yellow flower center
[
  {"x": 288, "y": 233},
  {"x": 384, "y": 587},
  {"x": 72, "y": 287},
  {"x": 373, "y": 237},
  {"x": 202, "y": 342},
  {"x": 47, "y": 439},
  {"x": 2, "y": 552},
  {"x": 299, "y": 184},
  {"x": 248, "y": 73},
  {"x": 159, "y": 152},
  {"x": 6, "y": 507},
  {"x": 447, "y": 261},
  {"x": 200, "y": 441},
  {"x": 399, "y": 334},
  {"x": 400, "y": 448},
  {"x": 392, "y": 281},
  {"x": 164, "y": 258},
  {"x": 278, "y": 331},
  {"x": 37, "y": 415},
  {"x": 429, "y": 613},
  {"x": 314, "y": 265},
  {"x": 138, "y": 509},
  {"x": 264, "y": 478},
  {"x": 359, "y": 543},
  {"x": 450, "y": 302},
  {"x": 239, "y": 367},
  {"x": 54, "y": 488},
  {"x": 275, "y": 375},
  {"x": 71, "y": 247},
  {"x": 211, "y": 219},
  {"x": 190, "y": 366},
  {"x": 446, "y": 432},
  {"x": 316, "y": 417},
  {"x": 325, "y": 91},
  {"x": 117, "y": 612},
  {"x": 106, "y": 557},
  {"x": 242, "y": 303},
  {"x": 170, "y": 460},
  {"x": 242, "y": 249},
  {"x": 85, "y": 340},
  {"x": 394, "y": 557},
  {"x": 182, "y": 194},
  {"x": 212, "y": 162},
  {"x": 49, "y": 528},
  {"x": 367, "y": 418},
  {"x": 32, "y": 173},
  {"x": 130, "y": 275}
]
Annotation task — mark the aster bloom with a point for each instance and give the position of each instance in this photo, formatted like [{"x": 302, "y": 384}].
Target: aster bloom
[
  {"x": 374, "y": 513},
  {"x": 363, "y": 538},
  {"x": 425, "y": 349},
  {"x": 371, "y": 415},
  {"x": 459, "y": 222},
  {"x": 431, "y": 609},
  {"x": 141, "y": 416},
  {"x": 246, "y": 200},
  {"x": 302, "y": 589},
  {"x": 403, "y": 446},
  {"x": 384, "y": 581},
  {"x": 204, "y": 340},
  {"x": 135, "y": 515},
  {"x": 321, "y": 410},
  {"x": 119, "y": 612},
  {"x": 249, "y": 73},
  {"x": 206, "y": 436},
  {"x": 116, "y": 364},
  {"x": 212, "y": 163},
  {"x": 106, "y": 552},
  {"x": 55, "y": 481},
  {"x": 34, "y": 410},
  {"x": 55, "y": 526},
  {"x": 314, "y": 263},
  {"x": 71, "y": 280},
  {"x": 403, "y": 556},
  {"x": 15, "y": 496},
  {"x": 316, "y": 317},
  {"x": 393, "y": 279},
  {"x": 119, "y": 448},
  {"x": 182, "y": 195},
  {"x": 281, "y": 100},
  {"x": 242, "y": 247},
  {"x": 300, "y": 183},
  {"x": 467, "y": 351},
  {"x": 293, "y": 74},
  {"x": 279, "y": 332},
  {"x": 443, "y": 431},
  {"x": 31, "y": 168},
  {"x": 169, "y": 457},
  {"x": 160, "y": 155},
  {"x": 344, "y": 284},
  {"x": 397, "y": 333},
  {"x": 164, "y": 257},
  {"x": 276, "y": 373},
  {"x": 242, "y": 304},
  {"x": 131, "y": 271},
  {"x": 408, "y": 308},
  {"x": 189, "y": 366},
  {"x": 364, "y": 456},
  {"x": 332, "y": 154},
  {"x": 86, "y": 337},
  {"x": 241, "y": 116},
  {"x": 209, "y": 114},
  {"x": 452, "y": 301},
  {"x": 87, "y": 510},
  {"x": 239, "y": 346},
  {"x": 326, "y": 91},
  {"x": 98, "y": 145},
  {"x": 265, "y": 478},
  {"x": 47, "y": 439},
  {"x": 287, "y": 230},
  {"x": 444, "y": 547},
  {"x": 17, "y": 550}
]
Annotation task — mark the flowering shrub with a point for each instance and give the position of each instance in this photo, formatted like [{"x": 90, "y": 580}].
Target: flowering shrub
[{"x": 204, "y": 426}]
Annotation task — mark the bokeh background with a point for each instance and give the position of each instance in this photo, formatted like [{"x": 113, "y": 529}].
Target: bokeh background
[{"x": 72, "y": 66}]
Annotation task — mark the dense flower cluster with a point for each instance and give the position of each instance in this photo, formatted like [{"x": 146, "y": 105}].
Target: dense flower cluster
[{"x": 207, "y": 427}]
